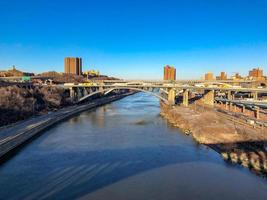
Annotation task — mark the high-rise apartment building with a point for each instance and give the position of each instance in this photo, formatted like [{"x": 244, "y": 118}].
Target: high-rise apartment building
[
  {"x": 169, "y": 73},
  {"x": 73, "y": 66},
  {"x": 209, "y": 76},
  {"x": 222, "y": 76},
  {"x": 256, "y": 73}
]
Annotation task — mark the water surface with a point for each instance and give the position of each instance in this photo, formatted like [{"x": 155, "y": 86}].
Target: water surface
[{"x": 123, "y": 150}]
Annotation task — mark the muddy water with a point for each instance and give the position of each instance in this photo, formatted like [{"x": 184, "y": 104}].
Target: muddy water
[{"x": 123, "y": 150}]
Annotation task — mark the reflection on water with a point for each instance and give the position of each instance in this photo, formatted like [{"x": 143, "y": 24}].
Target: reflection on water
[
  {"x": 123, "y": 150},
  {"x": 252, "y": 155}
]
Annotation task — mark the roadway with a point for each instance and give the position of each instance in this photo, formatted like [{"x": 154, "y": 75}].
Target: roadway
[
  {"x": 180, "y": 81},
  {"x": 18, "y": 78},
  {"x": 13, "y": 135},
  {"x": 247, "y": 103},
  {"x": 168, "y": 86}
]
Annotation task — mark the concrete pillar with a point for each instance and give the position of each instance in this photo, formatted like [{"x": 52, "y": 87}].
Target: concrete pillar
[
  {"x": 234, "y": 108},
  {"x": 85, "y": 91},
  {"x": 220, "y": 104},
  {"x": 195, "y": 106},
  {"x": 79, "y": 92},
  {"x": 233, "y": 96},
  {"x": 171, "y": 96},
  {"x": 230, "y": 106},
  {"x": 101, "y": 89},
  {"x": 243, "y": 109},
  {"x": 229, "y": 95},
  {"x": 185, "y": 97},
  {"x": 257, "y": 112},
  {"x": 255, "y": 95},
  {"x": 72, "y": 94},
  {"x": 226, "y": 105},
  {"x": 209, "y": 97}
]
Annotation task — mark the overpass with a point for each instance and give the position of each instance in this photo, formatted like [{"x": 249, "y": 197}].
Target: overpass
[
  {"x": 251, "y": 83},
  {"x": 165, "y": 91}
]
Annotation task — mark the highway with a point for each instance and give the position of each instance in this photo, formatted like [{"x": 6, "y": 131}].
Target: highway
[
  {"x": 130, "y": 85},
  {"x": 247, "y": 103},
  {"x": 13, "y": 135}
]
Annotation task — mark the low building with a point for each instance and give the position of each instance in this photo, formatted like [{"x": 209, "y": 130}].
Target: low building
[
  {"x": 236, "y": 76},
  {"x": 91, "y": 73}
]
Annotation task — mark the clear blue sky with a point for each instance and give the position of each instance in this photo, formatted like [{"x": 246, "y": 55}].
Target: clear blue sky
[{"x": 135, "y": 39}]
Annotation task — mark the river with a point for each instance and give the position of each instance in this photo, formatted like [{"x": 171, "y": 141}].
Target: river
[{"x": 123, "y": 150}]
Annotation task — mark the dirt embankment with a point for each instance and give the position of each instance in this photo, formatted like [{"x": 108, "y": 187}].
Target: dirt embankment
[
  {"x": 236, "y": 142},
  {"x": 20, "y": 103},
  {"x": 208, "y": 126}
]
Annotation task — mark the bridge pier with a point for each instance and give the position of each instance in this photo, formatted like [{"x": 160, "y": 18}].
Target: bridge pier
[
  {"x": 257, "y": 112},
  {"x": 79, "y": 93},
  {"x": 255, "y": 95},
  {"x": 230, "y": 106},
  {"x": 101, "y": 89},
  {"x": 226, "y": 105},
  {"x": 229, "y": 95},
  {"x": 72, "y": 94},
  {"x": 85, "y": 91},
  {"x": 243, "y": 109},
  {"x": 208, "y": 97},
  {"x": 171, "y": 96},
  {"x": 185, "y": 97},
  {"x": 234, "y": 108}
]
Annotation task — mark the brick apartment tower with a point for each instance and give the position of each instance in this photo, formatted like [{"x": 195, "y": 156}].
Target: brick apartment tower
[
  {"x": 223, "y": 76},
  {"x": 73, "y": 66},
  {"x": 209, "y": 76},
  {"x": 169, "y": 73},
  {"x": 256, "y": 73}
]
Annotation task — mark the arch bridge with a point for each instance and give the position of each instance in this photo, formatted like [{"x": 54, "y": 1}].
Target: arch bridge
[{"x": 165, "y": 91}]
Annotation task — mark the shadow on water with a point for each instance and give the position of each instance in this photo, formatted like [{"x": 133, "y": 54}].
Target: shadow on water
[{"x": 85, "y": 172}]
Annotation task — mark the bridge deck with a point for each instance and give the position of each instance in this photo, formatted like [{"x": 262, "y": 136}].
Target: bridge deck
[{"x": 170, "y": 86}]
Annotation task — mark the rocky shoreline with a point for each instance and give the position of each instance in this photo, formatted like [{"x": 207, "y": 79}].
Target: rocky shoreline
[{"x": 235, "y": 142}]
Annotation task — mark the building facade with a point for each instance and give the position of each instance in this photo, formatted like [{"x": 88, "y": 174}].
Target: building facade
[
  {"x": 73, "y": 65},
  {"x": 222, "y": 76},
  {"x": 169, "y": 73},
  {"x": 209, "y": 76},
  {"x": 256, "y": 73},
  {"x": 237, "y": 76}
]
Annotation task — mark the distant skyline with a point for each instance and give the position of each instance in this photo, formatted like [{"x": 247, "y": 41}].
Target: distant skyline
[{"x": 135, "y": 39}]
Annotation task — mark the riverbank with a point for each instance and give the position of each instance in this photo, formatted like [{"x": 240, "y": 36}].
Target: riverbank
[
  {"x": 236, "y": 142},
  {"x": 20, "y": 103},
  {"x": 12, "y": 137}
]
